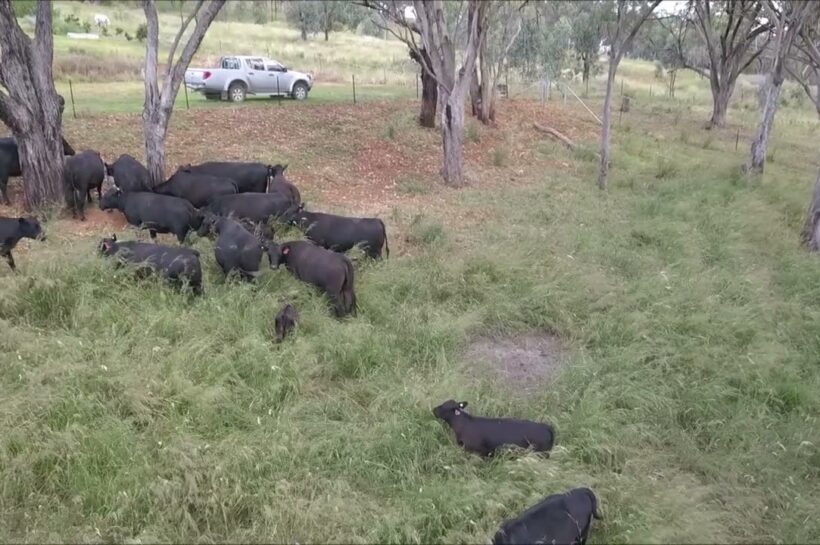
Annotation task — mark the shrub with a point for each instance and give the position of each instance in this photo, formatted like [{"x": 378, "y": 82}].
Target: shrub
[
  {"x": 665, "y": 168},
  {"x": 142, "y": 32}
]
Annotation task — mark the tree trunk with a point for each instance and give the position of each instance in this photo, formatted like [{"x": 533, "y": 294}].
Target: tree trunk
[
  {"x": 429, "y": 92},
  {"x": 304, "y": 34},
  {"x": 606, "y": 121},
  {"x": 760, "y": 144},
  {"x": 475, "y": 93},
  {"x": 452, "y": 137},
  {"x": 31, "y": 108},
  {"x": 810, "y": 236},
  {"x": 326, "y": 34},
  {"x": 585, "y": 76},
  {"x": 155, "y": 131},
  {"x": 721, "y": 94}
]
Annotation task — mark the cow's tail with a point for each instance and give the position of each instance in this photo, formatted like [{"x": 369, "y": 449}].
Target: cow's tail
[
  {"x": 386, "y": 246},
  {"x": 348, "y": 295}
]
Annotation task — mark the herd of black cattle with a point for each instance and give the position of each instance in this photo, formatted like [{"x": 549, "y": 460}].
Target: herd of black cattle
[{"x": 235, "y": 202}]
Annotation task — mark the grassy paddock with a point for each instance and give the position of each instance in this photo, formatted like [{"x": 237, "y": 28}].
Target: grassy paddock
[{"x": 689, "y": 313}]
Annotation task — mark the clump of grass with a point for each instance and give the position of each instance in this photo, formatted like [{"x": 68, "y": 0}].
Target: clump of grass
[
  {"x": 665, "y": 168},
  {"x": 708, "y": 141},
  {"x": 771, "y": 154},
  {"x": 391, "y": 132},
  {"x": 586, "y": 153},
  {"x": 424, "y": 231},
  {"x": 413, "y": 186},
  {"x": 472, "y": 133},
  {"x": 499, "y": 156}
]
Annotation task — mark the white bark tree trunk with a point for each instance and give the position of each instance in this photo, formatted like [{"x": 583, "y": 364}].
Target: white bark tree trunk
[
  {"x": 760, "y": 144},
  {"x": 606, "y": 122},
  {"x": 452, "y": 139},
  {"x": 32, "y": 108},
  {"x": 159, "y": 101},
  {"x": 811, "y": 232}
]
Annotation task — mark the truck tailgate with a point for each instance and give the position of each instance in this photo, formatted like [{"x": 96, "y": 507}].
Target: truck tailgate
[{"x": 195, "y": 77}]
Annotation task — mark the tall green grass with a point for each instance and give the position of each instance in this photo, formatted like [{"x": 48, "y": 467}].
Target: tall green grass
[{"x": 689, "y": 400}]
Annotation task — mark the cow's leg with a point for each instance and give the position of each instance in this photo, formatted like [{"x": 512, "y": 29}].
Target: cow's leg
[
  {"x": 153, "y": 235},
  {"x": 88, "y": 195},
  {"x": 79, "y": 201},
  {"x": 4, "y": 189},
  {"x": 10, "y": 260},
  {"x": 99, "y": 193}
]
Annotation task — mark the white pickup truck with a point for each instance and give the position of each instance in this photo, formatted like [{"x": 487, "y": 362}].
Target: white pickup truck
[{"x": 239, "y": 76}]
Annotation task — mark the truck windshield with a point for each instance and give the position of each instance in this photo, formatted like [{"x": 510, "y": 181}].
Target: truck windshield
[{"x": 230, "y": 63}]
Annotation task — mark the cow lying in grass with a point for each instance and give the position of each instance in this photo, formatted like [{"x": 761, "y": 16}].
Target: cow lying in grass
[{"x": 485, "y": 436}]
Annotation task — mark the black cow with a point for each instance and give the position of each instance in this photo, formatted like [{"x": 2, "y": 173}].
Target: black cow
[
  {"x": 129, "y": 174},
  {"x": 236, "y": 248},
  {"x": 157, "y": 213},
  {"x": 277, "y": 183},
  {"x": 486, "y": 435},
  {"x": 339, "y": 233},
  {"x": 329, "y": 271},
  {"x": 249, "y": 177},
  {"x": 82, "y": 173},
  {"x": 262, "y": 231},
  {"x": 560, "y": 519},
  {"x": 197, "y": 189},
  {"x": 174, "y": 263},
  {"x": 10, "y": 163},
  {"x": 12, "y": 230},
  {"x": 256, "y": 207},
  {"x": 285, "y": 320}
]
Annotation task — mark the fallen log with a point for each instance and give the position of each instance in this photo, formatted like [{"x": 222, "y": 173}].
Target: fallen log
[{"x": 555, "y": 134}]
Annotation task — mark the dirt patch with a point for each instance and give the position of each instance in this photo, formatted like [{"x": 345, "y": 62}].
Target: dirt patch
[{"x": 525, "y": 362}]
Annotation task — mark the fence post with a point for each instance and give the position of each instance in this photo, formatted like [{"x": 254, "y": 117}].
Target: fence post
[
  {"x": 418, "y": 77},
  {"x": 622, "y": 86},
  {"x": 354, "y": 88},
  {"x": 737, "y": 138},
  {"x": 278, "y": 94},
  {"x": 71, "y": 92},
  {"x": 650, "y": 90},
  {"x": 187, "y": 106}
]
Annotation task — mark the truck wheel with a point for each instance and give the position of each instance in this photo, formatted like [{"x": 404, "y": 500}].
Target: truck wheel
[
  {"x": 300, "y": 90},
  {"x": 236, "y": 92}
]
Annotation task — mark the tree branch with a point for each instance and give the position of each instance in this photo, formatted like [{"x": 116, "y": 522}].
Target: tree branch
[
  {"x": 637, "y": 26},
  {"x": 184, "y": 26}
]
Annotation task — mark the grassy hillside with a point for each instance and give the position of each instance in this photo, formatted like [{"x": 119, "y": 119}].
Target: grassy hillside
[
  {"x": 372, "y": 60},
  {"x": 686, "y": 386}
]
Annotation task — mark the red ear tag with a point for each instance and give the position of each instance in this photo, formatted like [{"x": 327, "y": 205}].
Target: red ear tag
[{"x": 285, "y": 250}]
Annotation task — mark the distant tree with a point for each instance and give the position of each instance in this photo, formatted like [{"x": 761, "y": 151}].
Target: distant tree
[
  {"x": 735, "y": 36},
  {"x": 142, "y": 32},
  {"x": 787, "y": 18},
  {"x": 804, "y": 62},
  {"x": 159, "y": 101},
  {"x": 29, "y": 104},
  {"x": 587, "y": 33},
  {"x": 503, "y": 23},
  {"x": 621, "y": 28},
  {"x": 543, "y": 46},
  {"x": 305, "y": 15}
]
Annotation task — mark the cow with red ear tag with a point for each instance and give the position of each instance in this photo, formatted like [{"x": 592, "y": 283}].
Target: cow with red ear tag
[{"x": 485, "y": 436}]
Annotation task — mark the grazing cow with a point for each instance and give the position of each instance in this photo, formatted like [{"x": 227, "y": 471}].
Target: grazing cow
[
  {"x": 285, "y": 320},
  {"x": 197, "y": 189},
  {"x": 12, "y": 230},
  {"x": 560, "y": 519},
  {"x": 249, "y": 177},
  {"x": 262, "y": 231},
  {"x": 255, "y": 207},
  {"x": 173, "y": 263},
  {"x": 486, "y": 435},
  {"x": 339, "y": 233},
  {"x": 157, "y": 213},
  {"x": 328, "y": 271},
  {"x": 236, "y": 249},
  {"x": 277, "y": 183},
  {"x": 10, "y": 163},
  {"x": 129, "y": 174},
  {"x": 82, "y": 173}
]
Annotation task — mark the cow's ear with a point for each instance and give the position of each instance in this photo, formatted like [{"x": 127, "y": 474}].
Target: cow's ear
[{"x": 462, "y": 404}]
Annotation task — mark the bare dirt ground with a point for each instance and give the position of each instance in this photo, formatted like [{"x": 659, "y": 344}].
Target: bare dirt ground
[
  {"x": 525, "y": 362},
  {"x": 369, "y": 159}
]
